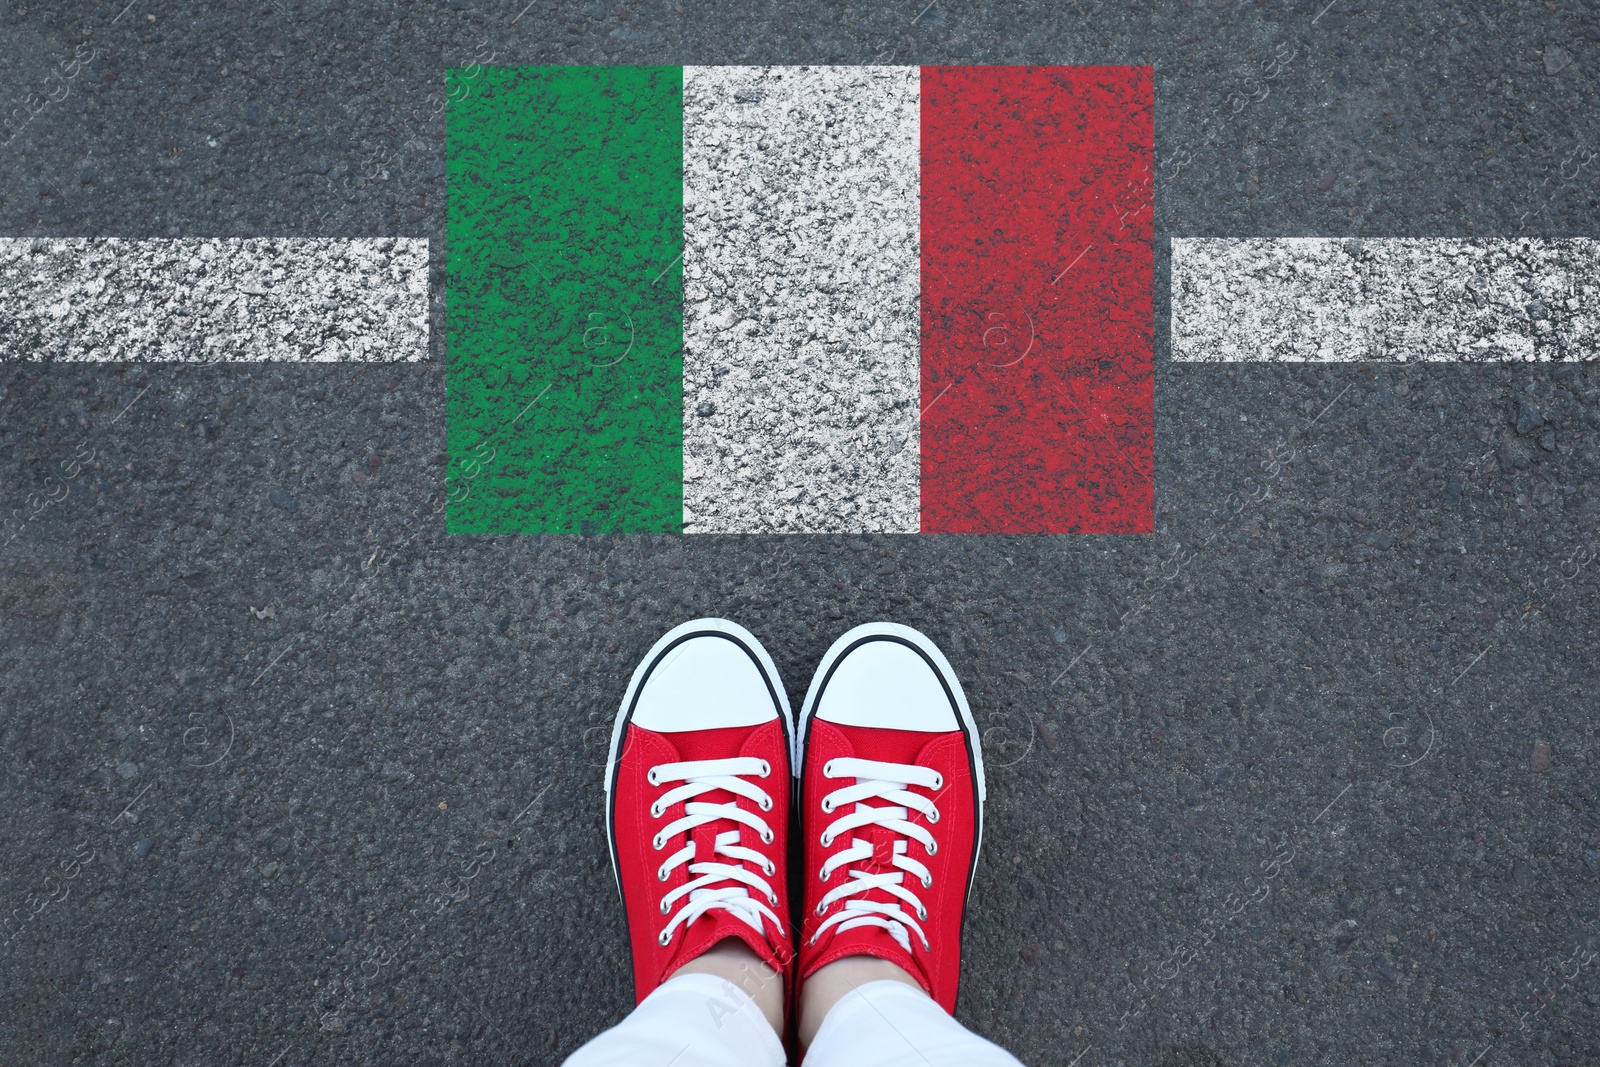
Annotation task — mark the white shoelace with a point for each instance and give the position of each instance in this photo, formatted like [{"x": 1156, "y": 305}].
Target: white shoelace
[
  {"x": 705, "y": 892},
  {"x": 878, "y": 781}
]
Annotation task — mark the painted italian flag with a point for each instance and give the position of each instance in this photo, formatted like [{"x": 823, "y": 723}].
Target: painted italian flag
[{"x": 800, "y": 299}]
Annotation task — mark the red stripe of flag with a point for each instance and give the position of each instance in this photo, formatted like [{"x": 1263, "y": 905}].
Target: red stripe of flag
[{"x": 1037, "y": 284}]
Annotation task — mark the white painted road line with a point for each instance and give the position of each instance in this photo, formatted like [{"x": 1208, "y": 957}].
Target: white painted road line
[
  {"x": 1395, "y": 299},
  {"x": 801, "y": 364},
  {"x": 300, "y": 299}
]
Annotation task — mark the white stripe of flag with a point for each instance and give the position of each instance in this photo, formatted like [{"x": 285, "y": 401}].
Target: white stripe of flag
[{"x": 801, "y": 284}]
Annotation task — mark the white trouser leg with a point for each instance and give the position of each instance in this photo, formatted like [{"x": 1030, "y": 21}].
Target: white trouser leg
[
  {"x": 693, "y": 1020},
  {"x": 889, "y": 1024}
]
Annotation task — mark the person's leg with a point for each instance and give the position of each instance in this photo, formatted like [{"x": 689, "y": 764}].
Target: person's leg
[
  {"x": 732, "y": 961},
  {"x": 893, "y": 1023},
  {"x": 832, "y": 983},
  {"x": 891, "y": 814},
  {"x": 692, "y": 1018},
  {"x": 698, "y": 794}
]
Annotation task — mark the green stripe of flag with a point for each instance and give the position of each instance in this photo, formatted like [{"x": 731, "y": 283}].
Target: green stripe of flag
[{"x": 565, "y": 228}]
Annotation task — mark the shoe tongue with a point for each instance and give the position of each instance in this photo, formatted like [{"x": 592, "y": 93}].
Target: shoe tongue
[
  {"x": 885, "y": 746},
  {"x": 882, "y": 839},
  {"x": 705, "y": 842},
  {"x": 724, "y": 743},
  {"x": 882, "y": 847}
]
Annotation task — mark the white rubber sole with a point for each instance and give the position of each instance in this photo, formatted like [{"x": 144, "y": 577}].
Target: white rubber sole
[
  {"x": 922, "y": 643},
  {"x": 651, "y": 659}
]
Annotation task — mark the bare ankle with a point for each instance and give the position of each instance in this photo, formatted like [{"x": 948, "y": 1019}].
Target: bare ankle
[
  {"x": 734, "y": 961},
  {"x": 829, "y": 984}
]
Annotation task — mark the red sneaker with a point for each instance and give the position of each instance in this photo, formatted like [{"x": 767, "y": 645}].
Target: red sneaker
[
  {"x": 697, "y": 801},
  {"x": 891, "y": 807}
]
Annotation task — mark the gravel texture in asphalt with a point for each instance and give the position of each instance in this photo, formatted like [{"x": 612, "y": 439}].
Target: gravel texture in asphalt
[{"x": 1308, "y": 775}]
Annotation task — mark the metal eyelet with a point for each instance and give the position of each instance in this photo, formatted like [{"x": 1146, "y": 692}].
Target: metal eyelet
[
  {"x": 933, "y": 848},
  {"x": 922, "y": 913},
  {"x": 821, "y": 911},
  {"x": 663, "y": 907},
  {"x": 766, "y": 837},
  {"x": 661, "y": 875},
  {"x": 927, "y": 883},
  {"x": 766, "y": 768},
  {"x": 827, "y": 769},
  {"x": 651, "y": 777},
  {"x": 822, "y": 875},
  {"x": 656, "y": 809},
  {"x": 772, "y": 898},
  {"x": 765, "y": 803},
  {"x": 657, "y": 843},
  {"x": 826, "y": 840},
  {"x": 664, "y": 940},
  {"x": 938, "y": 781},
  {"x": 827, "y": 806},
  {"x": 933, "y": 816}
]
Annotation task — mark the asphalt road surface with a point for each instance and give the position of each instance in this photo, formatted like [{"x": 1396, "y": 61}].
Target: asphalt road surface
[{"x": 1309, "y": 775}]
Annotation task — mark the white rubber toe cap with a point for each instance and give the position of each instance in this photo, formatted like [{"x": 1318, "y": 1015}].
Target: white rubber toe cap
[
  {"x": 886, "y": 684},
  {"x": 707, "y": 679}
]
